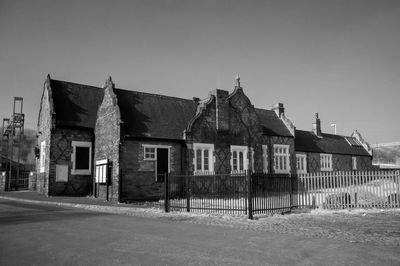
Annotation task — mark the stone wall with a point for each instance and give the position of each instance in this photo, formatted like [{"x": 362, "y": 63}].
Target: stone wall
[
  {"x": 340, "y": 162},
  {"x": 107, "y": 133},
  {"x": 45, "y": 124},
  {"x": 60, "y": 154}
]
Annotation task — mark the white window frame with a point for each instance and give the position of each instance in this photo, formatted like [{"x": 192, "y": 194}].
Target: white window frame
[
  {"x": 281, "y": 159},
  {"x": 154, "y": 153},
  {"x": 155, "y": 146},
  {"x": 326, "y": 162},
  {"x": 265, "y": 159},
  {"x": 86, "y": 144},
  {"x": 354, "y": 163},
  {"x": 301, "y": 163},
  {"x": 244, "y": 150},
  {"x": 42, "y": 160},
  {"x": 211, "y": 159}
]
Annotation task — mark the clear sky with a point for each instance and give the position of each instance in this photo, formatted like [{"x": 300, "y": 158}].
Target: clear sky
[{"x": 338, "y": 58}]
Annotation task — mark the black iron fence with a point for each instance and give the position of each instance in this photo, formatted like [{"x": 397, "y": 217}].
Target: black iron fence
[
  {"x": 17, "y": 181},
  {"x": 241, "y": 193}
]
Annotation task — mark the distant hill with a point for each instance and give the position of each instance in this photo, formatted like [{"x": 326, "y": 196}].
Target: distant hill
[
  {"x": 386, "y": 154},
  {"x": 28, "y": 143}
]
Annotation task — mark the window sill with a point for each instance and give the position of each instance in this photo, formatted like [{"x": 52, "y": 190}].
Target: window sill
[
  {"x": 81, "y": 172},
  {"x": 281, "y": 171}
]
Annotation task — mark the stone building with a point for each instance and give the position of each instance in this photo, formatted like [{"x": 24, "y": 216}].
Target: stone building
[
  {"x": 146, "y": 135},
  {"x": 321, "y": 152},
  {"x": 66, "y": 121},
  {"x": 119, "y": 144}
]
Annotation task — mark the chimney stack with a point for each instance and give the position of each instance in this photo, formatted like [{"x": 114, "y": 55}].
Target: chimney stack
[
  {"x": 278, "y": 109},
  {"x": 222, "y": 109},
  {"x": 316, "y": 126}
]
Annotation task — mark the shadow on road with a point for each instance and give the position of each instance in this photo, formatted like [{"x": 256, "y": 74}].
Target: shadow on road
[{"x": 19, "y": 213}]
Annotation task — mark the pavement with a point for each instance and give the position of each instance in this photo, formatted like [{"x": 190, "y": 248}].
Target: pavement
[
  {"x": 47, "y": 234},
  {"x": 377, "y": 227}
]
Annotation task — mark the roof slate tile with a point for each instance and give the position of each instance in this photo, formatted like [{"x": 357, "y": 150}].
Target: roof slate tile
[{"x": 307, "y": 141}]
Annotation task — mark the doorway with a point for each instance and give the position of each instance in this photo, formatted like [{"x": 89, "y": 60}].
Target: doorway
[{"x": 162, "y": 164}]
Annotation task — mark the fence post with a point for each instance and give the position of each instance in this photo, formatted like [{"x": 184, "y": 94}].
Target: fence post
[
  {"x": 249, "y": 195},
  {"x": 355, "y": 200},
  {"x": 187, "y": 192},
  {"x": 291, "y": 191},
  {"x": 166, "y": 193},
  {"x": 313, "y": 202}
]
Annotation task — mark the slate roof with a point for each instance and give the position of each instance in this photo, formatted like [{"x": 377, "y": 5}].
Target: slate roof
[
  {"x": 154, "y": 116},
  {"x": 75, "y": 104},
  {"x": 307, "y": 141},
  {"x": 272, "y": 125},
  {"x": 143, "y": 114}
]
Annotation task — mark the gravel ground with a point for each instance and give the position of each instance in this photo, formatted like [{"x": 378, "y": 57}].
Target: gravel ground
[{"x": 377, "y": 227}]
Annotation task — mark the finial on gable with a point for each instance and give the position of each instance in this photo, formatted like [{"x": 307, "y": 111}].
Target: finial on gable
[
  {"x": 238, "y": 81},
  {"x": 48, "y": 76},
  {"x": 109, "y": 82}
]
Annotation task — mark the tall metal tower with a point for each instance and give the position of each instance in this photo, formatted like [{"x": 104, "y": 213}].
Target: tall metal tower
[
  {"x": 12, "y": 134},
  {"x": 4, "y": 145}
]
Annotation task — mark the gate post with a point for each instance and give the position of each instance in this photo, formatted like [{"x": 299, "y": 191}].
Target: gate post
[
  {"x": 166, "y": 193},
  {"x": 291, "y": 191},
  {"x": 187, "y": 192},
  {"x": 249, "y": 195}
]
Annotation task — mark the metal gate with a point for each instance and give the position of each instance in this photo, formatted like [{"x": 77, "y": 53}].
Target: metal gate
[{"x": 18, "y": 182}]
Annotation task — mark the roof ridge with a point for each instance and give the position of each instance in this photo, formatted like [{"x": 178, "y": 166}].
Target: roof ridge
[
  {"x": 126, "y": 90},
  {"x": 262, "y": 109},
  {"x": 153, "y": 94},
  {"x": 74, "y": 83},
  {"x": 329, "y": 134}
]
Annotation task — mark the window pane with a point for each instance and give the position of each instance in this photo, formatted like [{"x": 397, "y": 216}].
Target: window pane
[
  {"x": 206, "y": 160},
  {"x": 241, "y": 161},
  {"x": 198, "y": 160},
  {"x": 234, "y": 161},
  {"x": 284, "y": 163},
  {"x": 82, "y": 158},
  {"x": 265, "y": 157}
]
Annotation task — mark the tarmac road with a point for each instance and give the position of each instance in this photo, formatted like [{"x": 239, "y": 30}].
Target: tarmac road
[{"x": 40, "y": 234}]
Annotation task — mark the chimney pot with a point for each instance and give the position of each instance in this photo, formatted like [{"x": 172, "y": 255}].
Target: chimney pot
[
  {"x": 278, "y": 109},
  {"x": 316, "y": 126}
]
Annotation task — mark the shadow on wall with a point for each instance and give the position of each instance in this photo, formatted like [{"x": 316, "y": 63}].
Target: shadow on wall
[{"x": 135, "y": 121}]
